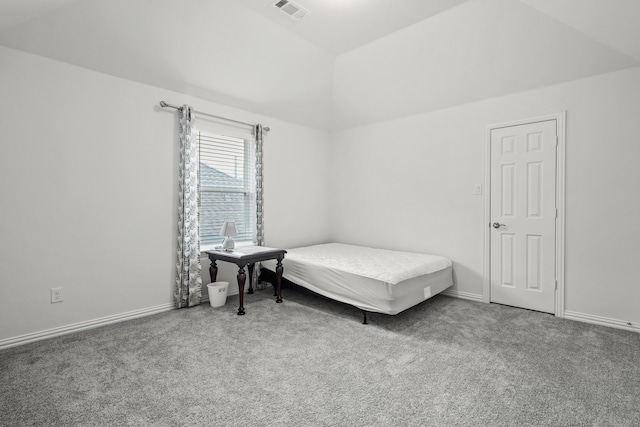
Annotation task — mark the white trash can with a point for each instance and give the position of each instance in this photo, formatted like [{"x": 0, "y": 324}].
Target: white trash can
[{"x": 217, "y": 293}]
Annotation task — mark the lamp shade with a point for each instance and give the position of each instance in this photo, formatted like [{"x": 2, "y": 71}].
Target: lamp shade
[{"x": 229, "y": 229}]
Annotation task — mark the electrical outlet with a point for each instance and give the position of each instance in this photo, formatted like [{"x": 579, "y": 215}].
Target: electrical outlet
[{"x": 56, "y": 295}]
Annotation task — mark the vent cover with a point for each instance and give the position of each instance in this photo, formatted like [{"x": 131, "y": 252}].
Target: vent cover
[{"x": 291, "y": 9}]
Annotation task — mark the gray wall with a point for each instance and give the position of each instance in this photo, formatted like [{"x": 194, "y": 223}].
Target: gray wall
[
  {"x": 408, "y": 184},
  {"x": 88, "y": 177}
]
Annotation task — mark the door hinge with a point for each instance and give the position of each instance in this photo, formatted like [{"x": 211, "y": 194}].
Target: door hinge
[
  {"x": 556, "y": 212},
  {"x": 557, "y": 140},
  {"x": 556, "y": 288}
]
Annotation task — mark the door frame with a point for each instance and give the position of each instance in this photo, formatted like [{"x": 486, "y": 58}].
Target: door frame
[{"x": 560, "y": 204}]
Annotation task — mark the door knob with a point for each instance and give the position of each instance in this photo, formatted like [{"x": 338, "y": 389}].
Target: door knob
[{"x": 498, "y": 225}]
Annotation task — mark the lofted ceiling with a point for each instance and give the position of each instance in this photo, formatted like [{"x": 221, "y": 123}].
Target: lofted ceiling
[
  {"x": 350, "y": 62},
  {"x": 342, "y": 25},
  {"x": 15, "y": 12}
]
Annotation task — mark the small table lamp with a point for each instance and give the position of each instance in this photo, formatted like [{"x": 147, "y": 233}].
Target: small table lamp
[{"x": 228, "y": 231}]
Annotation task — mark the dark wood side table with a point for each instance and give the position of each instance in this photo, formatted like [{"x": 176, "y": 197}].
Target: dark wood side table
[{"x": 247, "y": 256}]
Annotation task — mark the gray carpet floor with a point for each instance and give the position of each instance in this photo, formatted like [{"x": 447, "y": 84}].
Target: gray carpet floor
[{"x": 311, "y": 362}]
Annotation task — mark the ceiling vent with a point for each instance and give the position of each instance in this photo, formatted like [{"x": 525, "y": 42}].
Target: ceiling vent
[{"x": 291, "y": 9}]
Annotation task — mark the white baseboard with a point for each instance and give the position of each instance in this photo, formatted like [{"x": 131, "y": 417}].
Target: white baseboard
[
  {"x": 602, "y": 321},
  {"x": 81, "y": 326},
  {"x": 570, "y": 315},
  {"x": 463, "y": 295}
]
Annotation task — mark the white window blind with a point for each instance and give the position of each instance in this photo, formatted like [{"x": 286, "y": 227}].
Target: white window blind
[{"x": 227, "y": 186}]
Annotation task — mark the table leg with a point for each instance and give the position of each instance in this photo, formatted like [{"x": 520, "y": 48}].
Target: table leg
[
  {"x": 250, "y": 267},
  {"x": 279, "y": 270},
  {"x": 241, "y": 279},
  {"x": 213, "y": 270}
]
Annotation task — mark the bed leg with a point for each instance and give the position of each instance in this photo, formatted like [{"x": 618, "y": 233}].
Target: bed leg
[{"x": 364, "y": 321}]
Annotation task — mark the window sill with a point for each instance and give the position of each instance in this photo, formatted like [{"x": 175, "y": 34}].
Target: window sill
[{"x": 212, "y": 246}]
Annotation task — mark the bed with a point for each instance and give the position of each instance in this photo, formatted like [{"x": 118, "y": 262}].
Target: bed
[{"x": 374, "y": 280}]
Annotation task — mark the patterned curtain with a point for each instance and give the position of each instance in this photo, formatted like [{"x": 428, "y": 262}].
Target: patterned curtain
[
  {"x": 258, "y": 177},
  {"x": 259, "y": 229},
  {"x": 188, "y": 287}
]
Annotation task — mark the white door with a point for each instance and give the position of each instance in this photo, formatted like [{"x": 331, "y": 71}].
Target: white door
[{"x": 523, "y": 215}]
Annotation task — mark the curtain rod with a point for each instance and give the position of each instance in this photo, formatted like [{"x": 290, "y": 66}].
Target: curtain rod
[{"x": 165, "y": 104}]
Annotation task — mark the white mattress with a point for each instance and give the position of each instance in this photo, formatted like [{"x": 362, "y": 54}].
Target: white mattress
[{"x": 375, "y": 280}]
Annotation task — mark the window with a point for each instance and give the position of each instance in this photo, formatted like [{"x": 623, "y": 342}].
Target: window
[{"x": 227, "y": 186}]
